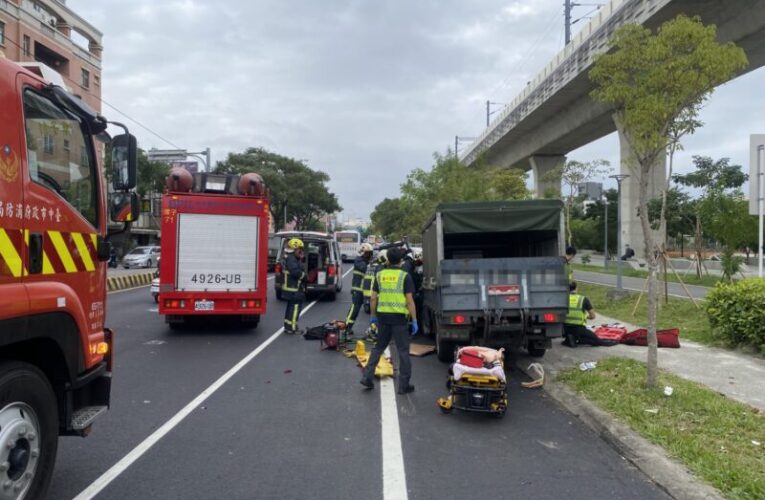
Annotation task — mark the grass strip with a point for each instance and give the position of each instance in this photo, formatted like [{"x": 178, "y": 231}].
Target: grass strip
[
  {"x": 627, "y": 270},
  {"x": 678, "y": 313},
  {"x": 715, "y": 437}
]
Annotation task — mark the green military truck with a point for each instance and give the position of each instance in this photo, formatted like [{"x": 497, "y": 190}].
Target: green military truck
[{"x": 494, "y": 275}]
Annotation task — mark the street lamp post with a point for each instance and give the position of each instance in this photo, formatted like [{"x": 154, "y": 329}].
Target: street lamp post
[
  {"x": 605, "y": 231},
  {"x": 760, "y": 203},
  {"x": 619, "y": 178}
]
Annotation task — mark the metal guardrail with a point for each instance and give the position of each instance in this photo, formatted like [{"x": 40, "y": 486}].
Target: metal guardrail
[{"x": 574, "y": 59}]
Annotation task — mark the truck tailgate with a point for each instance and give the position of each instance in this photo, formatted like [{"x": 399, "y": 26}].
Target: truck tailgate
[
  {"x": 217, "y": 253},
  {"x": 503, "y": 284}
]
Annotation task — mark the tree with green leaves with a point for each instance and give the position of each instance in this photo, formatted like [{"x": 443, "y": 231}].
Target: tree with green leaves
[
  {"x": 680, "y": 212},
  {"x": 298, "y": 193},
  {"x": 447, "y": 181},
  {"x": 718, "y": 181},
  {"x": 571, "y": 174},
  {"x": 652, "y": 81}
]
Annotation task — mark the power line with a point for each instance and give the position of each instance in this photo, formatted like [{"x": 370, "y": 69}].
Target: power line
[{"x": 101, "y": 99}]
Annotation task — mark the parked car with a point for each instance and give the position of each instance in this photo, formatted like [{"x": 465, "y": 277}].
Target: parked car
[
  {"x": 141, "y": 257},
  {"x": 323, "y": 268}
]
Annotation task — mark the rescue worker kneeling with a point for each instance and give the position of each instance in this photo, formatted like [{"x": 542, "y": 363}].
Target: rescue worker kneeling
[
  {"x": 293, "y": 287},
  {"x": 360, "y": 265},
  {"x": 392, "y": 305},
  {"x": 575, "y": 327}
]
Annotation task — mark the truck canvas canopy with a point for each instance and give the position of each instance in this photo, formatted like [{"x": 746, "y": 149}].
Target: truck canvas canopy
[{"x": 500, "y": 216}]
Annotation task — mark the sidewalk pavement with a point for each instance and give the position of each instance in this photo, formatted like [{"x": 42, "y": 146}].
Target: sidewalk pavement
[{"x": 736, "y": 375}]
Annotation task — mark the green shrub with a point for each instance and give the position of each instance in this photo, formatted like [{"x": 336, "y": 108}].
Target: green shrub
[{"x": 737, "y": 312}]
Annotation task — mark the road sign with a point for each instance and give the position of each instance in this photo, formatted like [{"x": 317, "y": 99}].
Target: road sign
[{"x": 167, "y": 155}]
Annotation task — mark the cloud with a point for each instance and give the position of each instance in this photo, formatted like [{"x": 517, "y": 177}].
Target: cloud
[{"x": 364, "y": 90}]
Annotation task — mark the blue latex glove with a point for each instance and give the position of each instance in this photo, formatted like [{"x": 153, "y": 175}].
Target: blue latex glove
[
  {"x": 415, "y": 327},
  {"x": 373, "y": 320}
]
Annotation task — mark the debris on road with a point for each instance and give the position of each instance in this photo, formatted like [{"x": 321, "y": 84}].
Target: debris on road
[
  {"x": 421, "y": 350},
  {"x": 668, "y": 390},
  {"x": 539, "y": 380},
  {"x": 588, "y": 366}
]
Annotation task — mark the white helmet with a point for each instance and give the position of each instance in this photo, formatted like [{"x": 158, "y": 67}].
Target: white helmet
[
  {"x": 382, "y": 256},
  {"x": 365, "y": 248}
]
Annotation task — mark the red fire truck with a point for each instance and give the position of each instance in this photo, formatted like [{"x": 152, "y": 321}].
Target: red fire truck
[
  {"x": 214, "y": 248},
  {"x": 55, "y": 354}
]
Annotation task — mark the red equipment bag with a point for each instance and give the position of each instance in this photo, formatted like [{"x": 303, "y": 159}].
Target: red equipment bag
[
  {"x": 665, "y": 338},
  {"x": 616, "y": 333},
  {"x": 471, "y": 358}
]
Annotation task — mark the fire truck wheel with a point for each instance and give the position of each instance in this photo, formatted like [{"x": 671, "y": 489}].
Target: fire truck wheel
[
  {"x": 28, "y": 430},
  {"x": 330, "y": 296}
]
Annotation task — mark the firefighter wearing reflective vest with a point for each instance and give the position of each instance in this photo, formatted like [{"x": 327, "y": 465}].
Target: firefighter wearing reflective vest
[
  {"x": 360, "y": 265},
  {"x": 575, "y": 326},
  {"x": 392, "y": 309},
  {"x": 293, "y": 287}
]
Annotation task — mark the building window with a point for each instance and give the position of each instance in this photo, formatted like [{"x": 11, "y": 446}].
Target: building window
[
  {"x": 85, "y": 81},
  {"x": 97, "y": 80},
  {"x": 26, "y": 45},
  {"x": 2, "y": 33},
  {"x": 48, "y": 144}
]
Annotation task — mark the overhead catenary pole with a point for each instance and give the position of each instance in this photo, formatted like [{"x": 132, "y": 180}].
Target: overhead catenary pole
[{"x": 567, "y": 6}]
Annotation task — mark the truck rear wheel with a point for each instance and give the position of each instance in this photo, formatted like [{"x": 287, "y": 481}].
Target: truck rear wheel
[
  {"x": 250, "y": 321},
  {"x": 28, "y": 431},
  {"x": 444, "y": 349}
]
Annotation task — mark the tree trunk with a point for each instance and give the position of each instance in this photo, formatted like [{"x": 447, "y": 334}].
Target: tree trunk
[
  {"x": 650, "y": 255},
  {"x": 697, "y": 238},
  {"x": 568, "y": 221}
]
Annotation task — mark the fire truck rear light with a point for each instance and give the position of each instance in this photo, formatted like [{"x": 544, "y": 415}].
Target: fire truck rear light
[
  {"x": 182, "y": 304},
  {"x": 172, "y": 304},
  {"x": 459, "y": 319},
  {"x": 101, "y": 348},
  {"x": 549, "y": 318}
]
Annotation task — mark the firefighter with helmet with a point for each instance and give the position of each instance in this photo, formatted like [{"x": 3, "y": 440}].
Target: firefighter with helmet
[
  {"x": 293, "y": 287},
  {"x": 360, "y": 265}
]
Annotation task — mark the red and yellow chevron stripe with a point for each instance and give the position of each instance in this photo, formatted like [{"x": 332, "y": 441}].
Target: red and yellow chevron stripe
[{"x": 62, "y": 252}]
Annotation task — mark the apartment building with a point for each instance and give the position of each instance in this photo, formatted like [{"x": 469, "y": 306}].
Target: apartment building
[{"x": 48, "y": 31}]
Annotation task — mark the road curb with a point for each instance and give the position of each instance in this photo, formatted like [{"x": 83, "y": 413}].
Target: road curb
[
  {"x": 115, "y": 283},
  {"x": 670, "y": 475}
]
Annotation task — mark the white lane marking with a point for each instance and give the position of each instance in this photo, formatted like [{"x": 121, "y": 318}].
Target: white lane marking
[
  {"x": 394, "y": 473},
  {"x": 110, "y": 475}
]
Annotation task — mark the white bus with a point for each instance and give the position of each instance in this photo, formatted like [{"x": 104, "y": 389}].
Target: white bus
[{"x": 349, "y": 242}]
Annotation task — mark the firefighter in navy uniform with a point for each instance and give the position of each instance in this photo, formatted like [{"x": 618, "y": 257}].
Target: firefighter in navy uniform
[
  {"x": 360, "y": 265},
  {"x": 293, "y": 288}
]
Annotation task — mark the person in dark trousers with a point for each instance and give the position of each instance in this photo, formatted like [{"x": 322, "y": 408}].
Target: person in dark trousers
[
  {"x": 575, "y": 327},
  {"x": 569, "y": 258},
  {"x": 360, "y": 265},
  {"x": 628, "y": 253},
  {"x": 293, "y": 287},
  {"x": 392, "y": 307}
]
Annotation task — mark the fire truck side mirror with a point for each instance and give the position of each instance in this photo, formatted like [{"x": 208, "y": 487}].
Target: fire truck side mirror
[
  {"x": 124, "y": 206},
  {"x": 124, "y": 161}
]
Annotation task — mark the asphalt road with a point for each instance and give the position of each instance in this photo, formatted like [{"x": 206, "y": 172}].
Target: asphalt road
[
  {"x": 295, "y": 423},
  {"x": 638, "y": 284}
]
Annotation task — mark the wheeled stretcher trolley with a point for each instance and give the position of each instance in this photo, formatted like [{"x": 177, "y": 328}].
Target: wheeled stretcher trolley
[{"x": 474, "y": 388}]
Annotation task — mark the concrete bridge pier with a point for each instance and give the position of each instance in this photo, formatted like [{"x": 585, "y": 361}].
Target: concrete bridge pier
[
  {"x": 542, "y": 165},
  {"x": 632, "y": 231}
]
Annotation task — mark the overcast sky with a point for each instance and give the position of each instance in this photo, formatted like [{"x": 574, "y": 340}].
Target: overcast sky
[{"x": 365, "y": 90}]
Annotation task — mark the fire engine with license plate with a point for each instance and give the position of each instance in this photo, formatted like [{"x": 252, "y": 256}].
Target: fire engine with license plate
[
  {"x": 214, "y": 248},
  {"x": 55, "y": 352}
]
